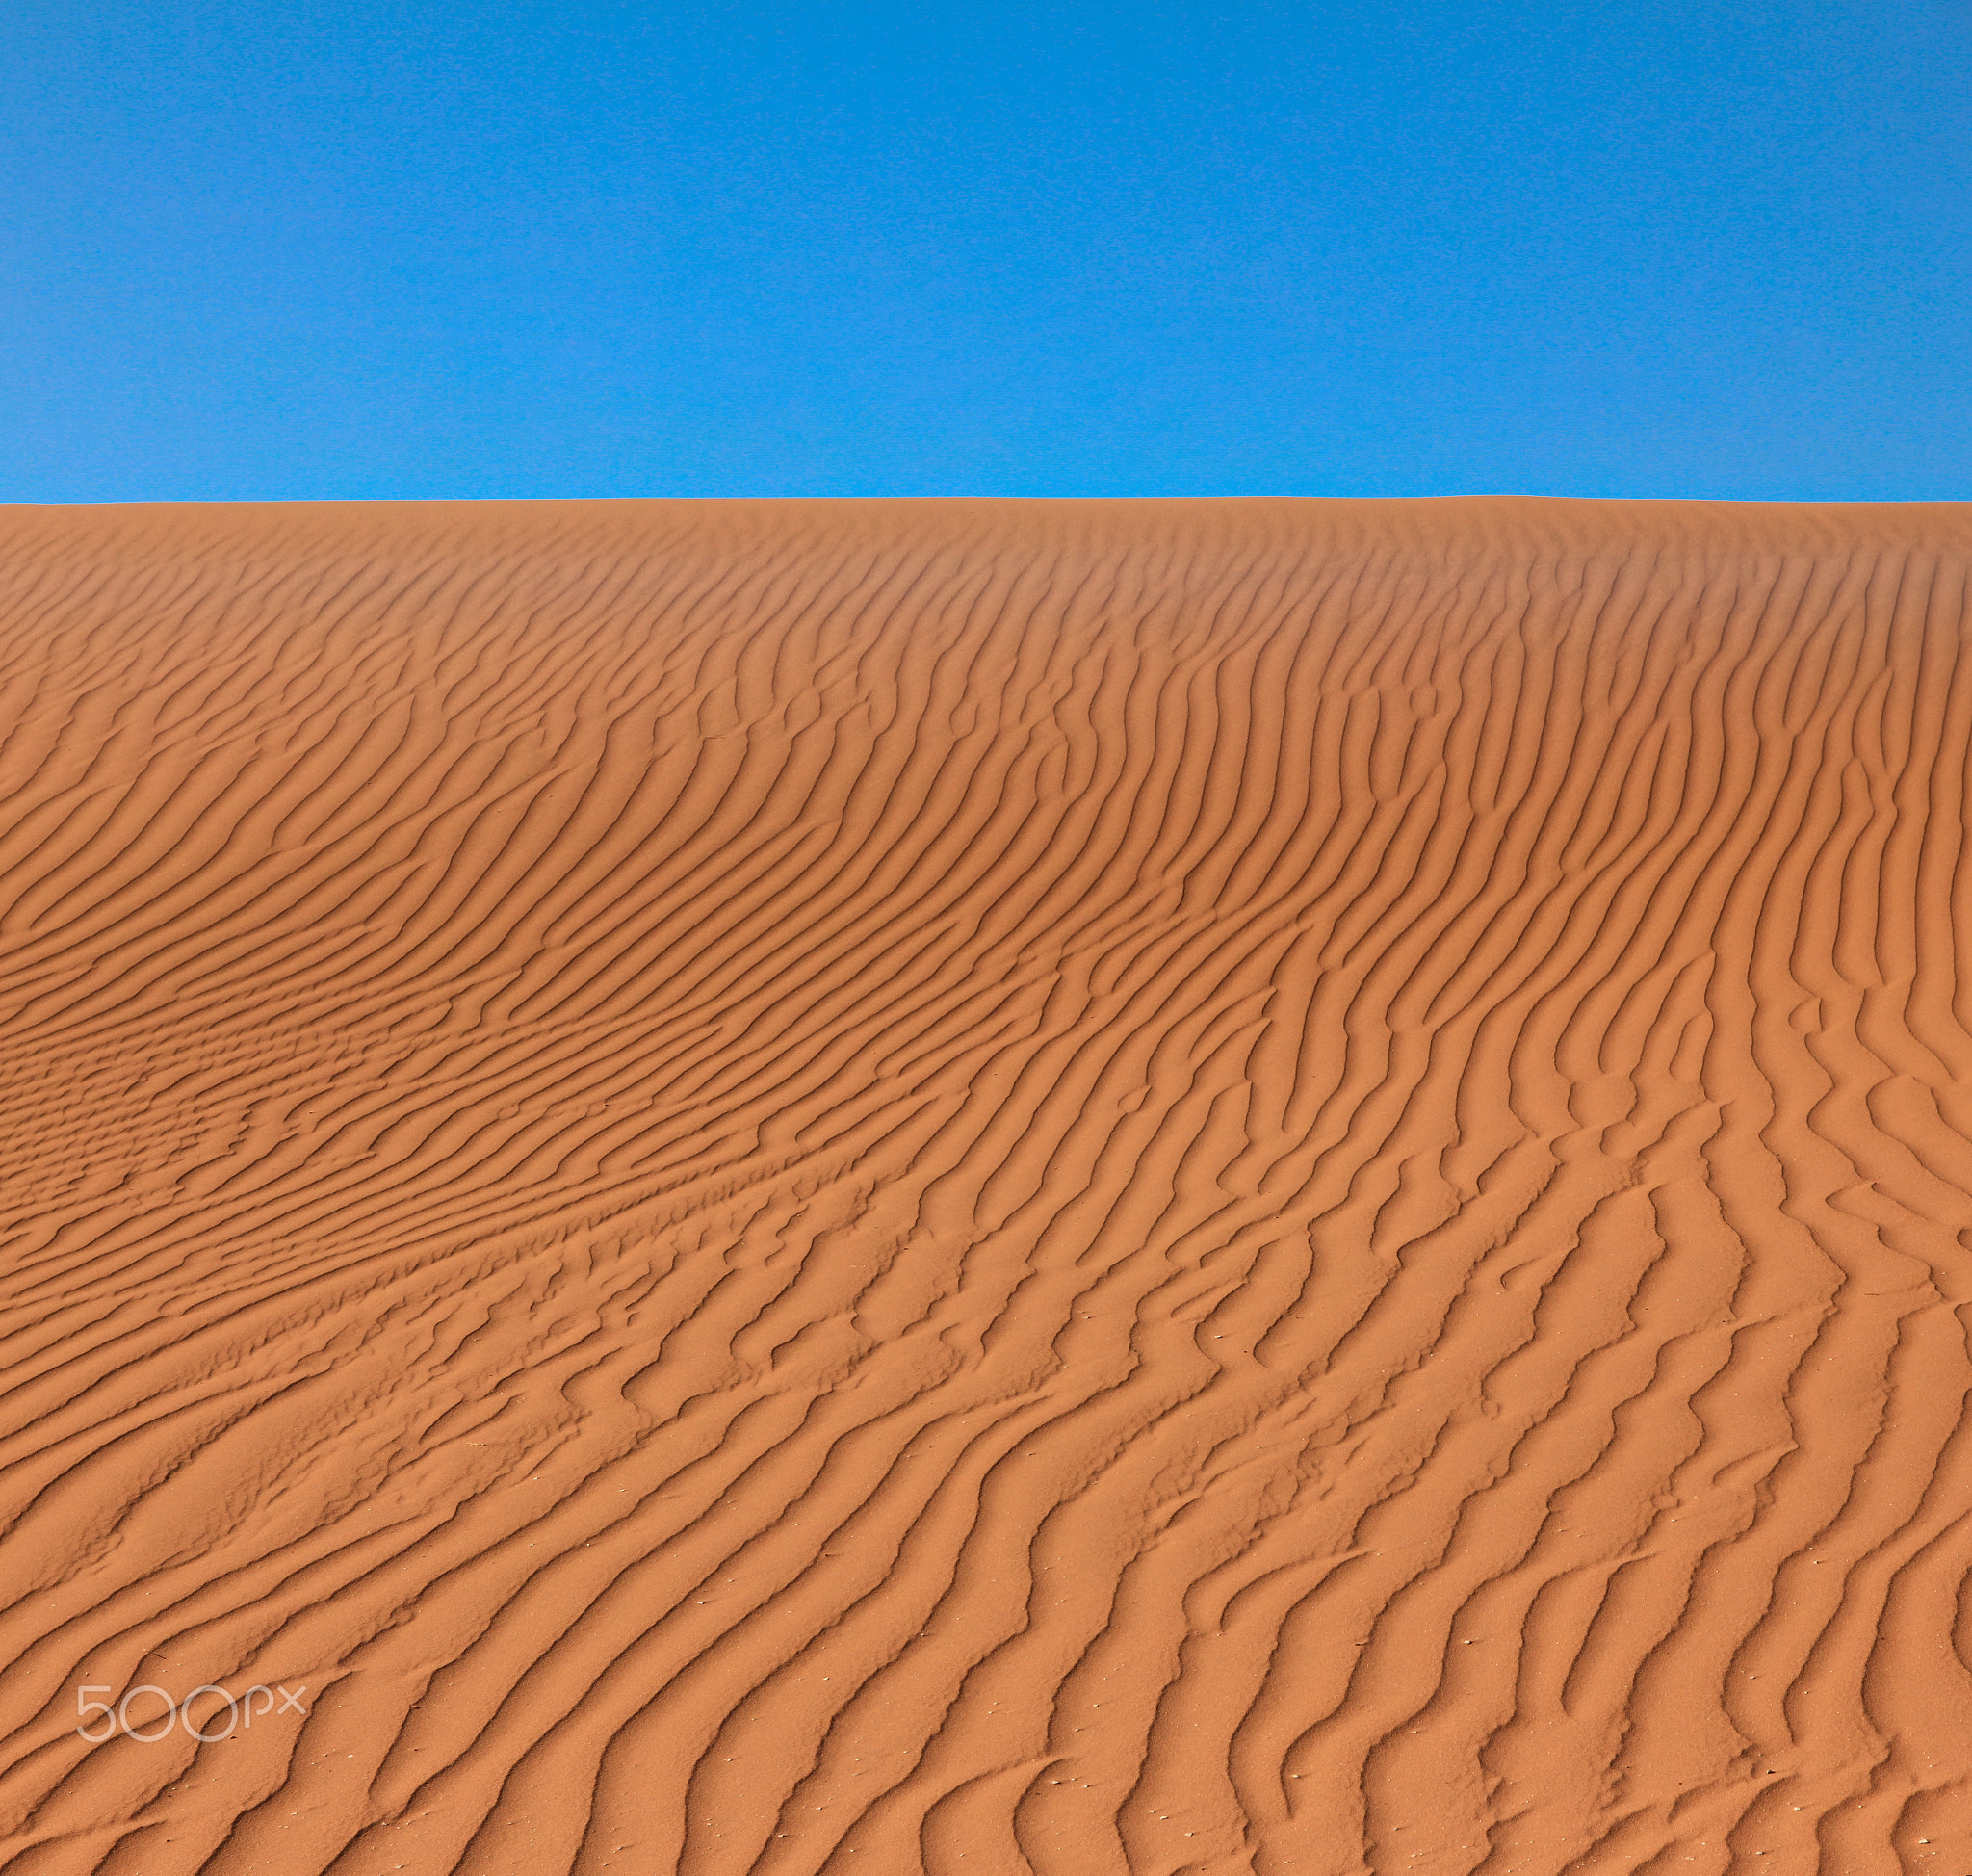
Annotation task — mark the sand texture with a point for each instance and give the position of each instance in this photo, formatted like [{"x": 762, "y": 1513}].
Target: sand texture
[{"x": 985, "y": 1189}]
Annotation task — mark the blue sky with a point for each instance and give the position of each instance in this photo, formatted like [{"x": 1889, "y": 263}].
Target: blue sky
[{"x": 251, "y": 249}]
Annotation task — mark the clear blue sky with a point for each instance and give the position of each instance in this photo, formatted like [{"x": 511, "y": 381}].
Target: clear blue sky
[{"x": 252, "y": 249}]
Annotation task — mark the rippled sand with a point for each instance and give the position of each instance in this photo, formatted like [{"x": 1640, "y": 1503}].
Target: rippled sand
[{"x": 1252, "y": 1186}]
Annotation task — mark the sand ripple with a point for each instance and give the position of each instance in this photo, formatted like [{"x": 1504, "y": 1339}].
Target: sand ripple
[{"x": 1230, "y": 1187}]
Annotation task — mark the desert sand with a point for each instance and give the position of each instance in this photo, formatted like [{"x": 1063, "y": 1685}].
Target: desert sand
[{"x": 1247, "y": 1186}]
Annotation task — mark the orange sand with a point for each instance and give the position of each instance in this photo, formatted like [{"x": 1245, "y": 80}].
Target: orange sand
[{"x": 1252, "y": 1187}]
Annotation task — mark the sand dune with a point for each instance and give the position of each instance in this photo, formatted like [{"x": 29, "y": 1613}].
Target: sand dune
[{"x": 778, "y": 1188}]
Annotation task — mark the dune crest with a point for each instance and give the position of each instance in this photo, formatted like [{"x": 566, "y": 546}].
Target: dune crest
[{"x": 1271, "y": 1186}]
